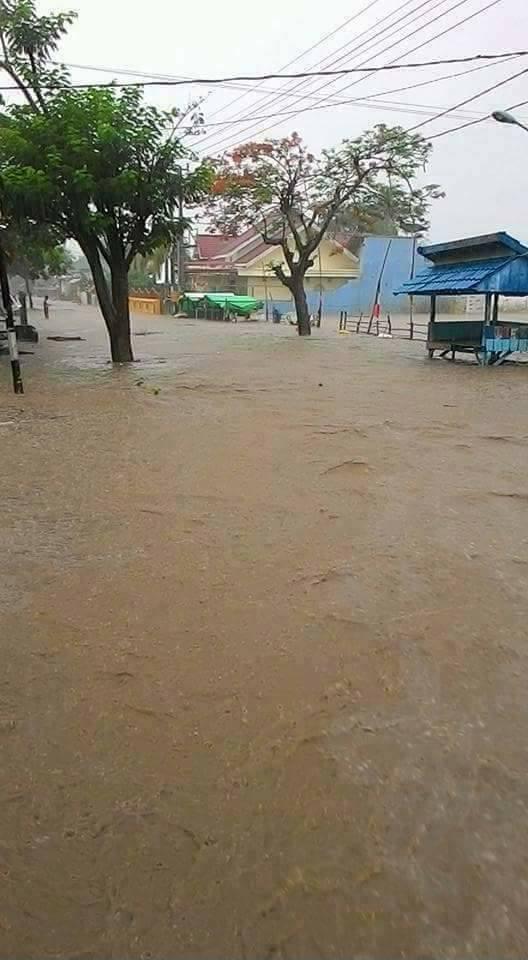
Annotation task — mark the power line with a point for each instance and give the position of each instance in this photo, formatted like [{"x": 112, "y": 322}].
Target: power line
[
  {"x": 475, "y": 96},
  {"x": 326, "y": 104},
  {"x": 120, "y": 71},
  {"x": 472, "y": 123},
  {"x": 447, "y": 76},
  {"x": 210, "y": 81},
  {"x": 423, "y": 43},
  {"x": 463, "y": 103},
  {"x": 150, "y": 75},
  {"x": 367, "y": 46},
  {"x": 314, "y": 46},
  {"x": 394, "y": 64},
  {"x": 329, "y": 61}
]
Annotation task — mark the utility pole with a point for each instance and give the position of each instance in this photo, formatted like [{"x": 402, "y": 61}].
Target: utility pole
[
  {"x": 180, "y": 246},
  {"x": 18, "y": 386},
  {"x": 411, "y": 298}
]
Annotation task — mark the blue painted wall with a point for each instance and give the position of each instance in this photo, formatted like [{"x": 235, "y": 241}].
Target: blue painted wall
[{"x": 357, "y": 296}]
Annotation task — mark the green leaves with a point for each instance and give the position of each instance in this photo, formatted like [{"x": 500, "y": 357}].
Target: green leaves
[
  {"x": 100, "y": 157},
  {"x": 100, "y": 162},
  {"x": 28, "y": 34},
  {"x": 33, "y": 250}
]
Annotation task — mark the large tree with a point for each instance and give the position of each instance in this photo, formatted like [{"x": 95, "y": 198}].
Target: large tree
[
  {"x": 293, "y": 197},
  {"x": 97, "y": 164},
  {"x": 33, "y": 251}
]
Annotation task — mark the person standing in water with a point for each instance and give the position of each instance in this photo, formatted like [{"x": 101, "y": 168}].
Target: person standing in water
[{"x": 46, "y": 307}]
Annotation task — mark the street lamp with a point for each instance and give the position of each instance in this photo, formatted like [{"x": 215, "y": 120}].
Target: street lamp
[{"x": 501, "y": 116}]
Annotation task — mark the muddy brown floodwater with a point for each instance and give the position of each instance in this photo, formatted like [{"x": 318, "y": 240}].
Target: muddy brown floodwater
[{"x": 263, "y": 614}]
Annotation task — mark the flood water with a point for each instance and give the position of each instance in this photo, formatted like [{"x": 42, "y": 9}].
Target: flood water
[{"x": 263, "y": 608}]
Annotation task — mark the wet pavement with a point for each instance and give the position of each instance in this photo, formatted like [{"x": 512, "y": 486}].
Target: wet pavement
[{"x": 263, "y": 609}]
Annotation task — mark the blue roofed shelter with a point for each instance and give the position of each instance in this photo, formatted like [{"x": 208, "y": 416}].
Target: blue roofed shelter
[{"x": 493, "y": 265}]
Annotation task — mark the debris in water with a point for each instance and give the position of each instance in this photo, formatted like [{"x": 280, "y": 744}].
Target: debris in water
[{"x": 63, "y": 339}]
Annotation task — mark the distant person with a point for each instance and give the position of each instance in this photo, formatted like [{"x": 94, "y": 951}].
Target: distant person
[{"x": 46, "y": 307}]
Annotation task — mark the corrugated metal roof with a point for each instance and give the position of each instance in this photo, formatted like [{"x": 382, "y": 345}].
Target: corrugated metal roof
[
  {"x": 499, "y": 240},
  {"x": 454, "y": 277}
]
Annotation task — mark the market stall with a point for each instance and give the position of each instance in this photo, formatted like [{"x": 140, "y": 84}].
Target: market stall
[{"x": 491, "y": 266}]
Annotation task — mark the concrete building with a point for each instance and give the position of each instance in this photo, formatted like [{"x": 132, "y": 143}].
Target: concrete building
[
  {"x": 244, "y": 264},
  {"x": 345, "y": 277}
]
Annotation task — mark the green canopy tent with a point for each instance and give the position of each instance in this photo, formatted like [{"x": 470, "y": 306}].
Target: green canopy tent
[
  {"x": 193, "y": 304},
  {"x": 219, "y": 305},
  {"x": 240, "y": 306}
]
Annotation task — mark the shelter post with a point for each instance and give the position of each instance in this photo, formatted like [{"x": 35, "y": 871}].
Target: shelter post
[
  {"x": 495, "y": 315},
  {"x": 432, "y": 313},
  {"x": 487, "y": 309}
]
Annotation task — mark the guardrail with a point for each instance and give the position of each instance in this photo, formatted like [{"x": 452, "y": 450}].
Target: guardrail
[{"x": 382, "y": 327}]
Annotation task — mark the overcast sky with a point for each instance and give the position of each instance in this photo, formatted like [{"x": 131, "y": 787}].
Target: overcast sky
[{"x": 483, "y": 169}]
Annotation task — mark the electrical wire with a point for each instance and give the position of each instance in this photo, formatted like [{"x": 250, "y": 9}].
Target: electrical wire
[
  {"x": 472, "y": 123},
  {"x": 305, "y": 53},
  {"x": 395, "y": 64},
  {"x": 367, "y": 46},
  {"x": 361, "y": 101},
  {"x": 475, "y": 13},
  {"x": 210, "y": 81},
  {"x": 327, "y": 62},
  {"x": 324, "y": 104},
  {"x": 475, "y": 96},
  {"x": 152, "y": 75}
]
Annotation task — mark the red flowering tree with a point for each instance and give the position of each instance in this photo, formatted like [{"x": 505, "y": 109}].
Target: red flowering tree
[{"x": 292, "y": 197}]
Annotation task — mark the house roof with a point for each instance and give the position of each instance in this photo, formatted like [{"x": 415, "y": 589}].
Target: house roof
[
  {"x": 477, "y": 248},
  {"x": 254, "y": 250},
  {"x": 216, "y": 252},
  {"x": 212, "y": 245},
  {"x": 452, "y": 278},
  {"x": 490, "y": 263},
  {"x": 505, "y": 275},
  {"x": 209, "y": 246}
]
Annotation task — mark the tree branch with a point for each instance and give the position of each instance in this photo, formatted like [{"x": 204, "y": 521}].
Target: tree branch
[
  {"x": 36, "y": 85},
  {"x": 5, "y": 65},
  {"x": 102, "y": 249},
  {"x": 288, "y": 255},
  {"x": 282, "y": 276},
  {"x": 273, "y": 241}
]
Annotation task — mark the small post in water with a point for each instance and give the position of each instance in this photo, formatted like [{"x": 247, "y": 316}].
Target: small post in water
[{"x": 18, "y": 386}]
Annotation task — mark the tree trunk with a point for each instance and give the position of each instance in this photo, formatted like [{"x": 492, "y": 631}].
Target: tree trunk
[
  {"x": 120, "y": 342},
  {"x": 301, "y": 306},
  {"x": 113, "y": 303}
]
